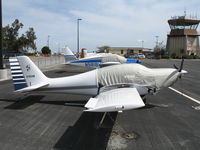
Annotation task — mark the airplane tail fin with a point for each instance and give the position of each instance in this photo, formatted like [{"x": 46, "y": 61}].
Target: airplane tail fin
[
  {"x": 69, "y": 55},
  {"x": 26, "y": 75}
]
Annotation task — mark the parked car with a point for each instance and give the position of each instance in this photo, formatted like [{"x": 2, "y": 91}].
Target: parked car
[
  {"x": 150, "y": 56},
  {"x": 133, "y": 56},
  {"x": 141, "y": 56}
]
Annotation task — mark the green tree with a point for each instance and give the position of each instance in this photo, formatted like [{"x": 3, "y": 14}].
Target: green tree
[
  {"x": 12, "y": 40},
  {"x": 160, "y": 51},
  {"x": 46, "y": 50},
  {"x": 173, "y": 55},
  {"x": 103, "y": 49}
]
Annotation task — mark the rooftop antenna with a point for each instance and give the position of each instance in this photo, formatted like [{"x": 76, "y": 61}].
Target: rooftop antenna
[{"x": 185, "y": 12}]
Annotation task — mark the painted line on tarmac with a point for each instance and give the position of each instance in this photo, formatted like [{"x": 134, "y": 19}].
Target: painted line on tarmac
[{"x": 194, "y": 100}]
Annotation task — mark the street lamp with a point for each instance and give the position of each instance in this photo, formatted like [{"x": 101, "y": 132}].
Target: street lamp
[
  {"x": 48, "y": 40},
  {"x": 1, "y": 46},
  {"x": 78, "y": 36},
  {"x": 157, "y": 40},
  {"x": 142, "y": 41}
]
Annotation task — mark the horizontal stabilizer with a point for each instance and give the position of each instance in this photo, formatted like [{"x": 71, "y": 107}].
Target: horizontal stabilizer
[
  {"x": 33, "y": 87},
  {"x": 115, "y": 100}
]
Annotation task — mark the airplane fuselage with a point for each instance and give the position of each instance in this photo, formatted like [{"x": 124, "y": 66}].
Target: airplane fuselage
[
  {"x": 139, "y": 76},
  {"x": 101, "y": 59},
  {"x": 113, "y": 87}
]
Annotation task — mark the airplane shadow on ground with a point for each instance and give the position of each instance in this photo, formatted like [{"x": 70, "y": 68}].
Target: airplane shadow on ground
[
  {"x": 24, "y": 102},
  {"x": 86, "y": 134}
]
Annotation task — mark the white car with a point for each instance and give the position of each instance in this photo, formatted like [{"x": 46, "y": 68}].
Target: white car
[{"x": 141, "y": 56}]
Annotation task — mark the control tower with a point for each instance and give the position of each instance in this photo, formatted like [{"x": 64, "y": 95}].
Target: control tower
[{"x": 183, "y": 37}]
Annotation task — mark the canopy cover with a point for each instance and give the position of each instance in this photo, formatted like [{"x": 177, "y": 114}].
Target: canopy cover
[{"x": 126, "y": 74}]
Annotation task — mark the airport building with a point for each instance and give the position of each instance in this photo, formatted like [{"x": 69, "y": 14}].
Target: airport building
[
  {"x": 128, "y": 51},
  {"x": 183, "y": 37}
]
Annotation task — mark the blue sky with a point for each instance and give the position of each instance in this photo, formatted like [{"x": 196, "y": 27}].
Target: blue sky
[{"x": 104, "y": 22}]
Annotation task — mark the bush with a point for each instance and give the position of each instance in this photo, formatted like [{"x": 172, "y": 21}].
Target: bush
[
  {"x": 46, "y": 50},
  {"x": 30, "y": 54},
  {"x": 173, "y": 55},
  {"x": 186, "y": 56},
  {"x": 196, "y": 57},
  {"x": 165, "y": 56}
]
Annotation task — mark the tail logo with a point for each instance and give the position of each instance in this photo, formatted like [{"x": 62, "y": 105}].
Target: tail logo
[{"x": 28, "y": 67}]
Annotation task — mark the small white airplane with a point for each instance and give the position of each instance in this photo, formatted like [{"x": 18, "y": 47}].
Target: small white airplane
[
  {"x": 97, "y": 60},
  {"x": 113, "y": 88}
]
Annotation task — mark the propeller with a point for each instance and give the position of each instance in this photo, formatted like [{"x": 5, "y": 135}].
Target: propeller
[
  {"x": 181, "y": 67},
  {"x": 175, "y": 67},
  {"x": 180, "y": 70}
]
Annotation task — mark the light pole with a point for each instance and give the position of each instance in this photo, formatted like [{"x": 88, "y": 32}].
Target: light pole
[
  {"x": 58, "y": 48},
  {"x": 158, "y": 47},
  {"x": 157, "y": 40},
  {"x": 78, "y": 36},
  {"x": 142, "y": 41},
  {"x": 1, "y": 49},
  {"x": 48, "y": 40},
  {"x": 142, "y": 44}
]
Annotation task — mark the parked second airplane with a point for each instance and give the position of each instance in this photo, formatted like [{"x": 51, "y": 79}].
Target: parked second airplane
[{"x": 97, "y": 60}]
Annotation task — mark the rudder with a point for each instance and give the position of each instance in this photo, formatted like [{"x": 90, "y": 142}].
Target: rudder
[
  {"x": 25, "y": 73},
  {"x": 69, "y": 55}
]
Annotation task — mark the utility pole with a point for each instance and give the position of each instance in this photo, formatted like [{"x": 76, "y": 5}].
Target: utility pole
[
  {"x": 142, "y": 44},
  {"x": 1, "y": 46},
  {"x": 48, "y": 40},
  {"x": 78, "y": 36},
  {"x": 158, "y": 47},
  {"x": 156, "y": 40}
]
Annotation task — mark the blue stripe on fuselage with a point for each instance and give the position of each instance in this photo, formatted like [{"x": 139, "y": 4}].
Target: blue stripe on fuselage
[
  {"x": 128, "y": 60},
  {"x": 69, "y": 56},
  {"x": 86, "y": 61}
]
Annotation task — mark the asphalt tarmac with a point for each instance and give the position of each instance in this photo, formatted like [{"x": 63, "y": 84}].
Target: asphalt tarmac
[{"x": 170, "y": 121}]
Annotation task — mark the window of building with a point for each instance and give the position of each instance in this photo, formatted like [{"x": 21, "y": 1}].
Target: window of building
[{"x": 122, "y": 51}]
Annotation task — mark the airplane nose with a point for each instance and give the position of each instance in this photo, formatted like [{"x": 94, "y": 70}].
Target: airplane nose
[{"x": 182, "y": 72}]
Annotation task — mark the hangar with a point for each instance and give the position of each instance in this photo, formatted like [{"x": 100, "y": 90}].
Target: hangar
[{"x": 128, "y": 51}]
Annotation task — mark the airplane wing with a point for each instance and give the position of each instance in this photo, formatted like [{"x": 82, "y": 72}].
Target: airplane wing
[{"x": 115, "y": 100}]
